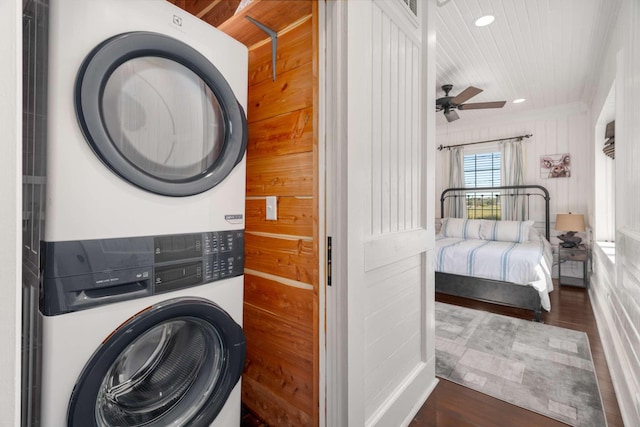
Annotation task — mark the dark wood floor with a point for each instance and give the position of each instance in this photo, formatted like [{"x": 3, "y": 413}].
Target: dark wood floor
[{"x": 451, "y": 405}]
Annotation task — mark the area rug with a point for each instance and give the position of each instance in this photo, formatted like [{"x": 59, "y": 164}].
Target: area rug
[{"x": 539, "y": 367}]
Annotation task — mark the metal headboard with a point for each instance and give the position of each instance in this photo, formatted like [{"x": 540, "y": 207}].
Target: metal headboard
[{"x": 541, "y": 192}]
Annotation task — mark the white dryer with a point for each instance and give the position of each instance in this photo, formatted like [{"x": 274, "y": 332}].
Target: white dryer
[
  {"x": 142, "y": 259},
  {"x": 146, "y": 126}
]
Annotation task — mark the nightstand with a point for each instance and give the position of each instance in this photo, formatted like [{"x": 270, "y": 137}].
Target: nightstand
[{"x": 580, "y": 253}]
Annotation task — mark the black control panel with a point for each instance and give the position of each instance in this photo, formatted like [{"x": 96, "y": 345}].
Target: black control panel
[
  {"x": 77, "y": 275},
  {"x": 212, "y": 256}
]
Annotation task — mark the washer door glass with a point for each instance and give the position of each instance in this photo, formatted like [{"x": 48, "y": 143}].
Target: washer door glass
[
  {"x": 174, "y": 364},
  {"x": 155, "y": 372},
  {"x": 159, "y": 114}
]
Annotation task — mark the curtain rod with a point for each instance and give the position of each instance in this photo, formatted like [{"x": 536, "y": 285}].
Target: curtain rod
[{"x": 519, "y": 138}]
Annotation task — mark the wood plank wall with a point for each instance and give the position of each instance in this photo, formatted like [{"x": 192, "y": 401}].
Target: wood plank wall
[{"x": 280, "y": 381}]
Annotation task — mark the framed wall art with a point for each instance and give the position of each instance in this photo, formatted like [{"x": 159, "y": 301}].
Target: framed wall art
[{"x": 555, "y": 166}]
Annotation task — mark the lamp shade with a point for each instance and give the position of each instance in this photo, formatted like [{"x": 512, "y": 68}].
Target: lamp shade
[{"x": 570, "y": 222}]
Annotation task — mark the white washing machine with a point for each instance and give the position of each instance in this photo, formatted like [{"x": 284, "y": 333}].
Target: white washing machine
[
  {"x": 143, "y": 331},
  {"x": 142, "y": 259}
]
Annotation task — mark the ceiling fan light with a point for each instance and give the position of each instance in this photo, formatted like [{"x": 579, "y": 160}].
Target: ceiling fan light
[
  {"x": 485, "y": 20},
  {"x": 519, "y": 100},
  {"x": 451, "y": 115}
]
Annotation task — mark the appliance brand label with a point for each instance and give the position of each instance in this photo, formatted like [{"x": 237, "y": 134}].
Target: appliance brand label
[
  {"x": 234, "y": 219},
  {"x": 109, "y": 280}
]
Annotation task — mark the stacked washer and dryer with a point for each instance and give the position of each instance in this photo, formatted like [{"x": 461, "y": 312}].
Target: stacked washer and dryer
[{"x": 142, "y": 262}]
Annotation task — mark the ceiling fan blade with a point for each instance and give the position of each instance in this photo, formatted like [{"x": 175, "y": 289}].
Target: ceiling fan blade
[
  {"x": 466, "y": 95},
  {"x": 481, "y": 105},
  {"x": 451, "y": 115}
]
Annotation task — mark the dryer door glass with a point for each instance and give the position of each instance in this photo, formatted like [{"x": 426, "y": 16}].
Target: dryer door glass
[
  {"x": 159, "y": 114},
  {"x": 163, "y": 118}
]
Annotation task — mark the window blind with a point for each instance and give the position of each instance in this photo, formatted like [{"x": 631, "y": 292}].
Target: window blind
[{"x": 482, "y": 170}]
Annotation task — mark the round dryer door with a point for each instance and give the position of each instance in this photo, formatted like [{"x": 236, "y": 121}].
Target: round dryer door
[
  {"x": 172, "y": 364},
  {"x": 159, "y": 114}
]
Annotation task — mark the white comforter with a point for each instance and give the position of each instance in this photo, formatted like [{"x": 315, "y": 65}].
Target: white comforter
[{"x": 520, "y": 263}]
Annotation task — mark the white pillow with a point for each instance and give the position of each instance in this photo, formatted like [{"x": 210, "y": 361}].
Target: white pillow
[
  {"x": 460, "y": 228},
  {"x": 506, "y": 231},
  {"x": 535, "y": 235}
]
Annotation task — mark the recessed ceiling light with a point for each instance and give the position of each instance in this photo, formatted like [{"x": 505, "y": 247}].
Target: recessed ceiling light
[
  {"x": 519, "y": 100},
  {"x": 484, "y": 20}
]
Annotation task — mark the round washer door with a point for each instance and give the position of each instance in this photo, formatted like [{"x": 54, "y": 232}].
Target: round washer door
[
  {"x": 159, "y": 114},
  {"x": 173, "y": 364}
]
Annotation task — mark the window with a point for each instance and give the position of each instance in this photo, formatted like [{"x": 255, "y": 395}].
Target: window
[
  {"x": 482, "y": 170},
  {"x": 413, "y": 6},
  {"x": 604, "y": 212}
]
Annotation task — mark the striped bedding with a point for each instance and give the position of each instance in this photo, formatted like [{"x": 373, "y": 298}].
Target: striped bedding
[{"x": 526, "y": 263}]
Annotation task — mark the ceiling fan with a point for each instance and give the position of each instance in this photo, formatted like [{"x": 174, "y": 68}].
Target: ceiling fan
[{"x": 449, "y": 104}]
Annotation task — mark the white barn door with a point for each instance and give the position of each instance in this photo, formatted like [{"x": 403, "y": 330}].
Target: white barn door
[{"x": 380, "y": 136}]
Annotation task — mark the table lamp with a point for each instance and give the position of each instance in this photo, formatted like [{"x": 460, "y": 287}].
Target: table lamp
[{"x": 571, "y": 224}]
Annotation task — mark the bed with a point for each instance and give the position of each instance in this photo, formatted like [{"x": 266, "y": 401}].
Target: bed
[{"x": 500, "y": 262}]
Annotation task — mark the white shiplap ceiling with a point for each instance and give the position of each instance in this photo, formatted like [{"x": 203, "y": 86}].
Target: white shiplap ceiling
[{"x": 547, "y": 51}]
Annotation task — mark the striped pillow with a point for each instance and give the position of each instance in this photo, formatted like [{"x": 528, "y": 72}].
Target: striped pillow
[
  {"x": 506, "y": 231},
  {"x": 460, "y": 228}
]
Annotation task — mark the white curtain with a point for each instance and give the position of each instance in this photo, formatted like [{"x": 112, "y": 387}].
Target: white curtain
[
  {"x": 512, "y": 171},
  {"x": 457, "y": 205}
]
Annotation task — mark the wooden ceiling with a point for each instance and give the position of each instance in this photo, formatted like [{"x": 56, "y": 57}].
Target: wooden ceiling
[
  {"x": 215, "y": 12},
  {"x": 546, "y": 51},
  {"x": 278, "y": 15}
]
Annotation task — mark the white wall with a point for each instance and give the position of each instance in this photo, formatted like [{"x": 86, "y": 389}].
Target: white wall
[
  {"x": 615, "y": 291},
  {"x": 10, "y": 212},
  {"x": 601, "y": 112},
  {"x": 562, "y": 129}
]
